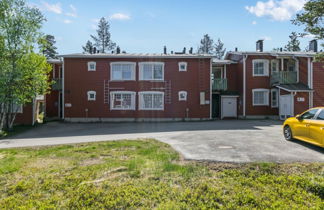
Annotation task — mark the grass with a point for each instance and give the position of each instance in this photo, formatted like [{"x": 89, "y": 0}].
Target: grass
[{"x": 146, "y": 174}]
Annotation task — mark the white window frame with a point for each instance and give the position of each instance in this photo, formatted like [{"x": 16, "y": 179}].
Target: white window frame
[
  {"x": 89, "y": 95},
  {"x": 266, "y": 67},
  {"x": 141, "y": 100},
  {"x": 133, "y": 100},
  {"x": 275, "y": 62},
  {"x": 183, "y": 63},
  {"x": 266, "y": 103},
  {"x": 184, "y": 93},
  {"x": 89, "y": 65},
  {"x": 277, "y": 98},
  {"x": 121, "y": 63},
  {"x": 141, "y": 76}
]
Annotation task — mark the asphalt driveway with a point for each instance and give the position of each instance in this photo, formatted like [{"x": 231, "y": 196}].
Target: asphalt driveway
[{"x": 225, "y": 141}]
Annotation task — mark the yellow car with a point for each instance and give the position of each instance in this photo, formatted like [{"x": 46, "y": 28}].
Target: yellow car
[{"x": 308, "y": 126}]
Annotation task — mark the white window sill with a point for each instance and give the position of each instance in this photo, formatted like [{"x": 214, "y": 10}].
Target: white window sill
[
  {"x": 122, "y": 80},
  {"x": 263, "y": 75},
  {"x": 150, "y": 109},
  {"x": 122, "y": 109}
]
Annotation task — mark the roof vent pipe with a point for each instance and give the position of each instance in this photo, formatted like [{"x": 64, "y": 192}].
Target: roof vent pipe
[
  {"x": 259, "y": 45},
  {"x": 236, "y": 49},
  {"x": 118, "y": 50},
  {"x": 313, "y": 45},
  {"x": 94, "y": 50},
  {"x": 191, "y": 50},
  {"x": 184, "y": 50}
]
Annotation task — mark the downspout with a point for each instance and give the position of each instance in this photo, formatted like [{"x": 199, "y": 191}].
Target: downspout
[
  {"x": 63, "y": 89},
  {"x": 297, "y": 67},
  {"x": 309, "y": 80},
  {"x": 312, "y": 84},
  {"x": 210, "y": 90},
  {"x": 244, "y": 85},
  {"x": 33, "y": 119}
]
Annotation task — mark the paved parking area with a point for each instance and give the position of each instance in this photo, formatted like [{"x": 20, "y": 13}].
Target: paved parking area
[{"x": 226, "y": 141}]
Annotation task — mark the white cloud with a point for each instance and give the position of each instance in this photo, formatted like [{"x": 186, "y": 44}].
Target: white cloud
[
  {"x": 73, "y": 12},
  {"x": 56, "y": 8},
  {"x": 254, "y": 22},
  {"x": 266, "y": 38},
  {"x": 119, "y": 16},
  {"x": 67, "y": 21},
  {"x": 279, "y": 10}
]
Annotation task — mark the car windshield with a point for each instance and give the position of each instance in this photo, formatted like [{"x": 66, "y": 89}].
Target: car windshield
[{"x": 309, "y": 114}]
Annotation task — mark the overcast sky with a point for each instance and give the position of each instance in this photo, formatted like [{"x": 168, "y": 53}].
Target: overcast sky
[{"x": 145, "y": 26}]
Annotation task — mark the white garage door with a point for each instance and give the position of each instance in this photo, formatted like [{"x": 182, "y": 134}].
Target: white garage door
[{"x": 229, "y": 107}]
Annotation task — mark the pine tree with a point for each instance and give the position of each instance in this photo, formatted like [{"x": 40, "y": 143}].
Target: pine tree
[
  {"x": 219, "y": 49},
  {"x": 293, "y": 44},
  {"x": 102, "y": 41},
  {"x": 88, "y": 48},
  {"x": 47, "y": 46},
  {"x": 206, "y": 45}
]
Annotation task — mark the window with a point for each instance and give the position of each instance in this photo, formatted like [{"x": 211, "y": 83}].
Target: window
[
  {"x": 260, "y": 67},
  {"x": 321, "y": 115},
  {"x": 182, "y": 95},
  {"x": 309, "y": 114},
  {"x": 91, "y": 66},
  {"x": 182, "y": 66},
  {"x": 151, "y": 71},
  {"x": 274, "y": 66},
  {"x": 260, "y": 97},
  {"x": 122, "y": 100},
  {"x": 151, "y": 100},
  {"x": 274, "y": 98},
  {"x": 122, "y": 71},
  {"x": 91, "y": 95},
  {"x": 290, "y": 65}
]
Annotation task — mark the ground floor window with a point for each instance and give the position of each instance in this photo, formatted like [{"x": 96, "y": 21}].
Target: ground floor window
[
  {"x": 260, "y": 97},
  {"x": 274, "y": 98},
  {"x": 151, "y": 100},
  {"x": 122, "y": 100}
]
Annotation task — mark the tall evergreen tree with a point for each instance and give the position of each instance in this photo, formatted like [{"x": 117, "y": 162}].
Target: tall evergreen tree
[
  {"x": 102, "y": 40},
  {"x": 293, "y": 44},
  {"x": 88, "y": 48},
  {"x": 219, "y": 49},
  {"x": 47, "y": 46},
  {"x": 312, "y": 18},
  {"x": 206, "y": 45}
]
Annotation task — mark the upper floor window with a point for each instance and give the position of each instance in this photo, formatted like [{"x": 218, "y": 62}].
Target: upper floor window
[
  {"x": 122, "y": 100},
  {"x": 260, "y": 67},
  {"x": 151, "y": 71},
  {"x": 91, "y": 95},
  {"x": 260, "y": 97},
  {"x": 122, "y": 71},
  {"x": 274, "y": 66},
  {"x": 151, "y": 100},
  {"x": 290, "y": 65},
  {"x": 182, "y": 66},
  {"x": 92, "y": 66},
  {"x": 182, "y": 95}
]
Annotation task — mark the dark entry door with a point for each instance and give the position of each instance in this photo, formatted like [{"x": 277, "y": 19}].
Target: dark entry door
[{"x": 216, "y": 106}]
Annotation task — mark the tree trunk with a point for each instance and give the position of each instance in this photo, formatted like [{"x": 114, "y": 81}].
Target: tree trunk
[{"x": 12, "y": 120}]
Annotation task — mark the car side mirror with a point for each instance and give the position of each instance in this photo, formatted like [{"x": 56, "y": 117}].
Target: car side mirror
[{"x": 298, "y": 117}]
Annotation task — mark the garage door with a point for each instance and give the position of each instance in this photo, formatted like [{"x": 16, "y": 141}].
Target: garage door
[{"x": 229, "y": 107}]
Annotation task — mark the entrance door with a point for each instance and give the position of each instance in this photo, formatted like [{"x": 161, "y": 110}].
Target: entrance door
[
  {"x": 215, "y": 106},
  {"x": 229, "y": 107},
  {"x": 285, "y": 110}
]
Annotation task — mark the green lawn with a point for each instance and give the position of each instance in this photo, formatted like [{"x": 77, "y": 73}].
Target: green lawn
[{"x": 146, "y": 174}]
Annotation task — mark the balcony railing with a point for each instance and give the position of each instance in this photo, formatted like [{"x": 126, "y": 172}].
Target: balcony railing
[
  {"x": 57, "y": 84},
  {"x": 284, "y": 77},
  {"x": 220, "y": 84}
]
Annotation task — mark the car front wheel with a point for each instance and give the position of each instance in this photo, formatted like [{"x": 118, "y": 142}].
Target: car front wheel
[{"x": 287, "y": 133}]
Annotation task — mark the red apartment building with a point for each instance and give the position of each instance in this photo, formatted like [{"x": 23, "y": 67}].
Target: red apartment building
[{"x": 180, "y": 86}]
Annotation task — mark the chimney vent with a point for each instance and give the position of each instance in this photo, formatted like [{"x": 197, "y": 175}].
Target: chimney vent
[
  {"x": 280, "y": 49},
  {"x": 184, "y": 50},
  {"x": 90, "y": 49},
  {"x": 236, "y": 49},
  {"x": 118, "y": 50},
  {"x": 171, "y": 52},
  {"x": 165, "y": 50},
  {"x": 191, "y": 50},
  {"x": 313, "y": 45},
  {"x": 259, "y": 45},
  {"x": 94, "y": 50}
]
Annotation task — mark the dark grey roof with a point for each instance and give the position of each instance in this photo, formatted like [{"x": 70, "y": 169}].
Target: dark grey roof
[
  {"x": 273, "y": 53},
  {"x": 298, "y": 87},
  {"x": 135, "y": 55}
]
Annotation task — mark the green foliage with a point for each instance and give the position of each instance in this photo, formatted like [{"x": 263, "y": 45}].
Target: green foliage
[
  {"x": 146, "y": 174},
  {"x": 47, "y": 46},
  {"x": 206, "y": 45},
  {"x": 293, "y": 44},
  {"x": 312, "y": 19},
  {"x": 102, "y": 40},
  {"x": 88, "y": 48},
  {"x": 219, "y": 49}
]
